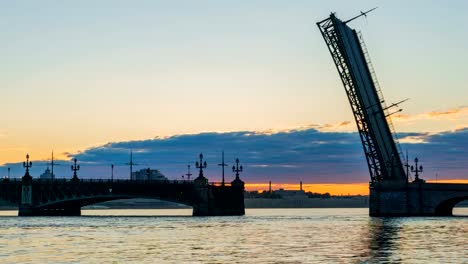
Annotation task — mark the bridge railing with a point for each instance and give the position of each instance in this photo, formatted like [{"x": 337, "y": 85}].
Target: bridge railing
[
  {"x": 97, "y": 180},
  {"x": 117, "y": 181}
]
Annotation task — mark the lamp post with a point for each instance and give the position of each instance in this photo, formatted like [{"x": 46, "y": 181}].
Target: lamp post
[
  {"x": 27, "y": 164},
  {"x": 8, "y": 173},
  {"x": 75, "y": 168},
  {"x": 237, "y": 169},
  {"x": 416, "y": 169},
  {"x": 112, "y": 172},
  {"x": 201, "y": 165}
]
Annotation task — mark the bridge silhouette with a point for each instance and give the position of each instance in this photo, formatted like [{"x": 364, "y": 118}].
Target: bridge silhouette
[
  {"x": 391, "y": 192},
  {"x": 66, "y": 197}
]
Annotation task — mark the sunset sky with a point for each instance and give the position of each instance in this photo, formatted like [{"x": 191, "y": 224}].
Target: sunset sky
[{"x": 170, "y": 79}]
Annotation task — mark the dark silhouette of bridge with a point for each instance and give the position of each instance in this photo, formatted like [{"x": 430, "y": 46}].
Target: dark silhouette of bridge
[
  {"x": 37, "y": 197},
  {"x": 391, "y": 193}
]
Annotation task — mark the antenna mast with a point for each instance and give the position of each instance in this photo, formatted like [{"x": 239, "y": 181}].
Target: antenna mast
[
  {"x": 362, "y": 14},
  {"x": 222, "y": 164},
  {"x": 188, "y": 172}
]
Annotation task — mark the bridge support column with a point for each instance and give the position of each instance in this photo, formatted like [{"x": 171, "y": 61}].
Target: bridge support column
[
  {"x": 388, "y": 199},
  {"x": 398, "y": 198},
  {"x": 26, "y": 203},
  {"x": 219, "y": 200}
]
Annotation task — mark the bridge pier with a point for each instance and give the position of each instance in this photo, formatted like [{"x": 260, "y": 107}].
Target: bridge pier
[
  {"x": 219, "y": 201},
  {"x": 398, "y": 198}
]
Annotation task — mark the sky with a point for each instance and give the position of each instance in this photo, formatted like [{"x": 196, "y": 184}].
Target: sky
[{"x": 170, "y": 79}]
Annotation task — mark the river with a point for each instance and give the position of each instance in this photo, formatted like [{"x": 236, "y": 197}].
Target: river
[{"x": 261, "y": 236}]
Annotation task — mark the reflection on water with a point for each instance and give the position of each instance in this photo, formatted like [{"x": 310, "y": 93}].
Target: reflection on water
[
  {"x": 262, "y": 236},
  {"x": 383, "y": 240},
  {"x": 418, "y": 239},
  {"x": 138, "y": 212}
]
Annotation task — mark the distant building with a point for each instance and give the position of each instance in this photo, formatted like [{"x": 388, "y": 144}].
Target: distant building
[
  {"x": 291, "y": 194},
  {"x": 47, "y": 175},
  {"x": 148, "y": 174}
]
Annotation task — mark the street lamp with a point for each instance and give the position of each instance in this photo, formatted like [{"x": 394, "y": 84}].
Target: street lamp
[
  {"x": 75, "y": 168},
  {"x": 201, "y": 165},
  {"x": 237, "y": 169},
  {"x": 27, "y": 164},
  {"x": 416, "y": 170}
]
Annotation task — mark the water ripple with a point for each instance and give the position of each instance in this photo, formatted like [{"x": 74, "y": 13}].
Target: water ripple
[{"x": 262, "y": 236}]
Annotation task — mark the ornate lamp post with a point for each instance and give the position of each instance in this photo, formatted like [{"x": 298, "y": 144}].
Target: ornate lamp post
[
  {"x": 237, "y": 181},
  {"x": 27, "y": 164},
  {"x": 201, "y": 180},
  {"x": 416, "y": 170},
  {"x": 201, "y": 165},
  {"x": 75, "y": 168},
  {"x": 237, "y": 169}
]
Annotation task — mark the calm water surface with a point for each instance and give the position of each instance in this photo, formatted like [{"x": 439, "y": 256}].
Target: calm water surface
[{"x": 262, "y": 236}]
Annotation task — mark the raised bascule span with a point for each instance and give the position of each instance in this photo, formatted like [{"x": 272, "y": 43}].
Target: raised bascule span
[{"x": 391, "y": 193}]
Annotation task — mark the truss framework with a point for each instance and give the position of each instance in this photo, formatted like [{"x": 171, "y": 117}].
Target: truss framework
[{"x": 379, "y": 169}]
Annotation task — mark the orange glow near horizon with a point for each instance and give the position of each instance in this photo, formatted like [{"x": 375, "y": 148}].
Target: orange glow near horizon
[
  {"x": 332, "y": 188},
  {"x": 465, "y": 181}
]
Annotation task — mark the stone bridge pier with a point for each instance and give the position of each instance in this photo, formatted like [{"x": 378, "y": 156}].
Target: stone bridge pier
[{"x": 395, "y": 198}]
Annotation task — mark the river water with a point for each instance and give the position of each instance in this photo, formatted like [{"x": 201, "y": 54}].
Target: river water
[{"x": 261, "y": 236}]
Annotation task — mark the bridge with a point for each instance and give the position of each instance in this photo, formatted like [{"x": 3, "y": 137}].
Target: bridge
[
  {"x": 65, "y": 197},
  {"x": 391, "y": 192}
]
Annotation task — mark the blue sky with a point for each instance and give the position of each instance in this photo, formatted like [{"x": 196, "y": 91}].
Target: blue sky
[{"x": 77, "y": 75}]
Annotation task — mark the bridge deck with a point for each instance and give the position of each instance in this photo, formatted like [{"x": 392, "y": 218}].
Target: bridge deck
[{"x": 66, "y": 197}]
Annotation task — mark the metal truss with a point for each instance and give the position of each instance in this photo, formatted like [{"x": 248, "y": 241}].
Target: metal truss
[{"x": 335, "y": 46}]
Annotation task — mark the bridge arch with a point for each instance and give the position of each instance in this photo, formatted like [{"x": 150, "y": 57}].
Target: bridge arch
[
  {"x": 90, "y": 200},
  {"x": 445, "y": 207}
]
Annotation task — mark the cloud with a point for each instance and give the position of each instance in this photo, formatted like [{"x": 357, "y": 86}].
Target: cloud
[
  {"x": 281, "y": 157},
  {"x": 305, "y": 154},
  {"x": 450, "y": 114},
  {"x": 413, "y": 138}
]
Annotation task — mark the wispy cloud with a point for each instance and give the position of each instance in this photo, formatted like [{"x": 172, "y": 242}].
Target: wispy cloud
[{"x": 450, "y": 114}]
